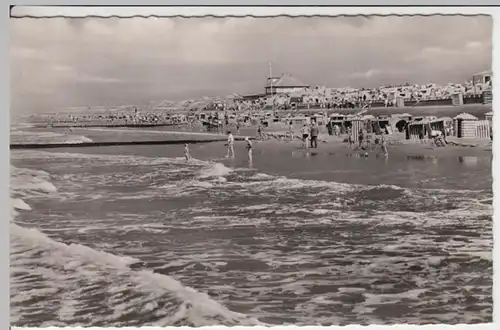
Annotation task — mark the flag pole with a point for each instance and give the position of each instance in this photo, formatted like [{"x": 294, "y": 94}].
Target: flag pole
[{"x": 271, "y": 79}]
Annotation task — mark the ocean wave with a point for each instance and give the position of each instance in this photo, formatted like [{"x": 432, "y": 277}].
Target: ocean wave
[
  {"x": 16, "y": 125},
  {"x": 30, "y": 183},
  {"x": 66, "y": 265},
  {"x": 110, "y": 159},
  {"x": 20, "y": 137},
  {"x": 215, "y": 170},
  {"x": 71, "y": 280},
  {"x": 77, "y": 139},
  {"x": 247, "y": 240},
  {"x": 176, "y": 177}
]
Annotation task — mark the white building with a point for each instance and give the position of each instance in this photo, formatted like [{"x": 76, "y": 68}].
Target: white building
[{"x": 286, "y": 84}]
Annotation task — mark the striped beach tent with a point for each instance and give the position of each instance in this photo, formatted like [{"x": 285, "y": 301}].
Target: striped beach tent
[
  {"x": 489, "y": 116},
  {"x": 483, "y": 129},
  {"x": 465, "y": 125},
  {"x": 488, "y": 96},
  {"x": 357, "y": 124},
  {"x": 418, "y": 129}
]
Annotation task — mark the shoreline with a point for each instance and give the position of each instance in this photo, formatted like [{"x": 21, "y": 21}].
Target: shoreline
[
  {"x": 327, "y": 144},
  {"x": 395, "y": 143},
  {"x": 416, "y": 111}
]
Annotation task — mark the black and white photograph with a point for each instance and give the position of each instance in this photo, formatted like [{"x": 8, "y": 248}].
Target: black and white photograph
[{"x": 245, "y": 171}]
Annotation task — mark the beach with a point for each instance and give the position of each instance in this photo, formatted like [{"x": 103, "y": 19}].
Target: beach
[
  {"x": 221, "y": 170},
  {"x": 136, "y": 236}
]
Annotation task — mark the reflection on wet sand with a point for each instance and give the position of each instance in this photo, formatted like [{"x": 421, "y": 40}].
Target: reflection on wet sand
[{"x": 468, "y": 161}]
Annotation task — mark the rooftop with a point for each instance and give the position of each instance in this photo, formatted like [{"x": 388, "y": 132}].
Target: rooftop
[{"x": 287, "y": 80}]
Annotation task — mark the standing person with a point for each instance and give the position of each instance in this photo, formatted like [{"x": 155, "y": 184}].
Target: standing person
[
  {"x": 421, "y": 136},
  {"x": 305, "y": 135},
  {"x": 187, "y": 155},
  {"x": 259, "y": 131},
  {"x": 290, "y": 128},
  {"x": 383, "y": 145},
  {"x": 238, "y": 127},
  {"x": 314, "y": 135},
  {"x": 230, "y": 145},
  {"x": 369, "y": 142},
  {"x": 249, "y": 149},
  {"x": 443, "y": 132},
  {"x": 329, "y": 127},
  {"x": 360, "y": 138}
]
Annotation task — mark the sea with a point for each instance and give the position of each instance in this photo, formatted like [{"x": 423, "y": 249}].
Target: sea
[{"x": 137, "y": 236}]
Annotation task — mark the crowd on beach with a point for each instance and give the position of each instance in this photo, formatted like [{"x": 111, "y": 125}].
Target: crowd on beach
[
  {"x": 317, "y": 97},
  {"x": 347, "y": 97},
  {"x": 113, "y": 118},
  {"x": 216, "y": 115}
]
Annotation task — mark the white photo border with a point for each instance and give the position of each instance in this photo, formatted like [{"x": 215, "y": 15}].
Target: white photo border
[{"x": 221, "y": 8}]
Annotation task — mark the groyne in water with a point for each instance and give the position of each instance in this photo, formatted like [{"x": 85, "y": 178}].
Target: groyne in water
[
  {"x": 14, "y": 146},
  {"x": 100, "y": 125}
]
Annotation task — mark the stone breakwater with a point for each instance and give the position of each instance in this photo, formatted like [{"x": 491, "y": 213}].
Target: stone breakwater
[{"x": 200, "y": 138}]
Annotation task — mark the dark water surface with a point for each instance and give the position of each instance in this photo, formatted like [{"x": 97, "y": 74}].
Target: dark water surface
[{"x": 119, "y": 236}]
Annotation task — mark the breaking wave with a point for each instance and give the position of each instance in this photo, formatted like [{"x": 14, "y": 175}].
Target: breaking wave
[
  {"x": 28, "y": 137},
  {"x": 75, "y": 278}
]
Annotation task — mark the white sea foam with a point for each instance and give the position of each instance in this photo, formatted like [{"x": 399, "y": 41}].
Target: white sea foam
[
  {"x": 60, "y": 266},
  {"x": 19, "y": 136},
  {"x": 261, "y": 176},
  {"x": 30, "y": 183},
  {"x": 77, "y": 139},
  {"x": 111, "y": 159},
  {"x": 325, "y": 237},
  {"x": 16, "y": 125},
  {"x": 80, "y": 262},
  {"x": 19, "y": 204},
  {"x": 215, "y": 170}
]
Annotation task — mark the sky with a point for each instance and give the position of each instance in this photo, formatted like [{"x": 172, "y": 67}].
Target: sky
[{"x": 63, "y": 62}]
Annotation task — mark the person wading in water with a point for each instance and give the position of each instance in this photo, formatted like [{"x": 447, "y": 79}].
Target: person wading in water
[
  {"x": 259, "y": 131},
  {"x": 361, "y": 137},
  {"x": 305, "y": 135},
  {"x": 187, "y": 154},
  {"x": 383, "y": 145},
  {"x": 230, "y": 145},
  {"x": 249, "y": 149},
  {"x": 290, "y": 129},
  {"x": 314, "y": 135}
]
